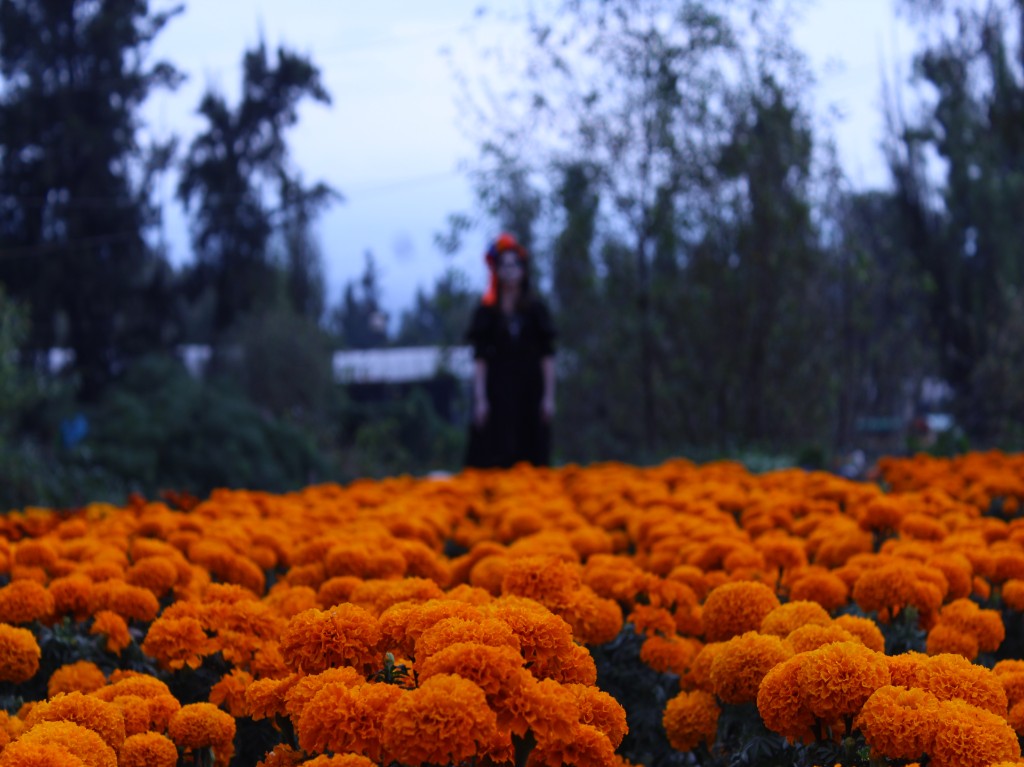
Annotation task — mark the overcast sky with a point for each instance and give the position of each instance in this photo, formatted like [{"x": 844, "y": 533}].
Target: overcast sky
[{"x": 390, "y": 141}]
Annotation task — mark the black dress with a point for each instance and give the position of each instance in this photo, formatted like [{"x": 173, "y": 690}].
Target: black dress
[{"x": 513, "y": 347}]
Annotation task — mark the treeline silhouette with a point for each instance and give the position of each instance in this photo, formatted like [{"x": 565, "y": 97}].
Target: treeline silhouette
[{"x": 720, "y": 288}]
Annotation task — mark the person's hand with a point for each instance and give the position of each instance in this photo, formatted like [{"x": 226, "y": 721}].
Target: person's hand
[
  {"x": 480, "y": 411},
  {"x": 547, "y": 409}
]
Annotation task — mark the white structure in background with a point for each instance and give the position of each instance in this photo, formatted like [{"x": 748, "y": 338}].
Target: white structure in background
[{"x": 402, "y": 364}]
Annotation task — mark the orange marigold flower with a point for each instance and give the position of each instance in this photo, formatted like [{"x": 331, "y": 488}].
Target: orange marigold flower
[
  {"x": 947, "y": 638},
  {"x": 445, "y": 720},
  {"x": 593, "y": 620},
  {"x": 19, "y": 654},
  {"x": 673, "y": 655},
  {"x": 80, "y": 741},
  {"x": 340, "y": 760},
  {"x": 905, "y": 669},
  {"x": 691, "y": 718},
  {"x": 287, "y": 600},
  {"x": 785, "y": 618},
  {"x": 1013, "y": 683},
  {"x": 652, "y": 621},
  {"x": 202, "y": 725},
  {"x": 742, "y": 662},
  {"x": 72, "y": 595},
  {"x": 545, "y": 639},
  {"x": 836, "y": 679},
  {"x": 99, "y": 716},
  {"x": 600, "y": 710},
  {"x": 130, "y": 602},
  {"x": 549, "y": 580},
  {"x": 24, "y": 601},
  {"x": 449, "y": 631},
  {"x": 177, "y": 642},
  {"x": 735, "y": 608},
  {"x": 865, "y": 629},
  {"x": 19, "y": 754},
  {"x": 264, "y": 698},
  {"x": 229, "y": 692},
  {"x": 899, "y": 723},
  {"x": 586, "y": 745},
  {"x": 952, "y": 676},
  {"x": 811, "y": 637},
  {"x": 985, "y": 626},
  {"x": 1013, "y": 594},
  {"x": 80, "y": 676},
  {"x": 282, "y": 755},
  {"x": 148, "y": 749},
  {"x": 114, "y": 627},
  {"x": 781, "y": 705},
  {"x": 968, "y": 736},
  {"x": 1015, "y": 717},
  {"x": 344, "y": 635},
  {"x": 827, "y": 589},
  {"x": 296, "y": 693},
  {"x": 958, "y": 571},
  {"x": 343, "y": 718},
  {"x": 158, "y": 574}
]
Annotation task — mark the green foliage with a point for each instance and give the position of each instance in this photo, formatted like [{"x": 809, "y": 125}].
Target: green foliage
[{"x": 162, "y": 429}]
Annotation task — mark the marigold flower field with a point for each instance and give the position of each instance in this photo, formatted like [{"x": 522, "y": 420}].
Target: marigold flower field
[{"x": 599, "y": 616}]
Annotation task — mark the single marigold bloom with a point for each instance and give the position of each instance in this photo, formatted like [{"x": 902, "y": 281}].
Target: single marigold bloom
[
  {"x": 130, "y": 602},
  {"x": 114, "y": 627},
  {"x": 600, "y": 710},
  {"x": 297, "y": 691},
  {"x": 952, "y": 676},
  {"x": 19, "y": 754},
  {"x": 341, "y": 718},
  {"x": 157, "y": 574},
  {"x": 958, "y": 570},
  {"x": 19, "y": 654},
  {"x": 339, "y": 760},
  {"x": 545, "y": 639},
  {"x": 264, "y": 698},
  {"x": 742, "y": 662},
  {"x": 652, "y": 621},
  {"x": 899, "y": 723},
  {"x": 985, "y": 626},
  {"x": 1013, "y": 594},
  {"x": 177, "y": 642},
  {"x": 906, "y": 669},
  {"x": 836, "y": 679},
  {"x": 781, "y": 704},
  {"x": 586, "y": 745},
  {"x": 99, "y": 716},
  {"x": 594, "y": 620},
  {"x": 148, "y": 749},
  {"x": 968, "y": 736},
  {"x": 827, "y": 589},
  {"x": 549, "y": 580},
  {"x": 445, "y": 720},
  {"x": 132, "y": 683},
  {"x": 282, "y": 755},
  {"x": 811, "y": 637},
  {"x": 1013, "y": 683},
  {"x": 72, "y": 595},
  {"x": 790, "y": 616},
  {"x": 287, "y": 600},
  {"x": 673, "y": 655},
  {"x": 344, "y": 635},
  {"x": 80, "y": 741},
  {"x": 449, "y": 631},
  {"x": 691, "y": 718},
  {"x": 229, "y": 692},
  {"x": 1015, "y": 717},
  {"x": 735, "y": 608},
  {"x": 203, "y": 725},
  {"x": 490, "y": 668},
  {"x": 80, "y": 676},
  {"x": 24, "y": 601},
  {"x": 947, "y": 638},
  {"x": 865, "y": 629}
]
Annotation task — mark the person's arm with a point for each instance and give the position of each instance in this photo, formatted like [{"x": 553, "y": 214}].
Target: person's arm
[
  {"x": 547, "y": 402},
  {"x": 481, "y": 407}
]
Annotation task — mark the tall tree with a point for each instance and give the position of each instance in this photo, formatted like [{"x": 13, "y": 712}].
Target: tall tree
[
  {"x": 231, "y": 170},
  {"x": 75, "y": 182},
  {"x": 963, "y": 214},
  {"x": 359, "y": 321}
]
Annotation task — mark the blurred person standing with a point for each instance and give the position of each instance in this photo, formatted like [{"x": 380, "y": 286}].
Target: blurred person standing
[{"x": 512, "y": 336}]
